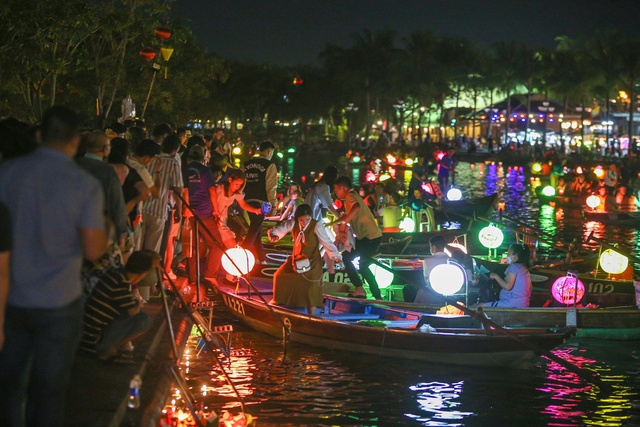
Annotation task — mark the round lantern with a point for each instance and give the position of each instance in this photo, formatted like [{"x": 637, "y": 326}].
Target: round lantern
[
  {"x": 599, "y": 172},
  {"x": 536, "y": 168},
  {"x": 612, "y": 262},
  {"x": 383, "y": 277},
  {"x": 491, "y": 237},
  {"x": 548, "y": 191},
  {"x": 593, "y": 201},
  {"x": 147, "y": 54},
  {"x": 163, "y": 33},
  {"x": 242, "y": 258},
  {"x": 408, "y": 162},
  {"x": 454, "y": 194},
  {"x": 407, "y": 225},
  {"x": 447, "y": 279},
  {"x": 356, "y": 159},
  {"x": 564, "y": 290}
]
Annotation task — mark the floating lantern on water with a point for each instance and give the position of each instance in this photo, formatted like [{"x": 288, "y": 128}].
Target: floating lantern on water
[
  {"x": 491, "y": 237},
  {"x": 613, "y": 262},
  {"x": 568, "y": 289},
  {"x": 454, "y": 194},
  {"x": 447, "y": 279},
  {"x": 383, "y": 277},
  {"x": 407, "y": 225},
  {"x": 243, "y": 259},
  {"x": 593, "y": 201},
  {"x": 548, "y": 191},
  {"x": 536, "y": 168}
]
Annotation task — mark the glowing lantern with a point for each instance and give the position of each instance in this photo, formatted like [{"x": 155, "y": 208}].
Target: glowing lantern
[
  {"x": 491, "y": 237},
  {"x": 612, "y": 262},
  {"x": 383, "y": 177},
  {"x": 407, "y": 225},
  {"x": 242, "y": 258},
  {"x": 599, "y": 172},
  {"x": 447, "y": 279},
  {"x": 356, "y": 159},
  {"x": 383, "y": 277},
  {"x": 536, "y": 168},
  {"x": 579, "y": 170},
  {"x": 593, "y": 201},
  {"x": 454, "y": 194},
  {"x": 337, "y": 204},
  {"x": 391, "y": 159},
  {"x": 166, "y": 54},
  {"x": 548, "y": 191},
  {"x": 147, "y": 54},
  {"x": 408, "y": 162},
  {"x": 568, "y": 289},
  {"x": 163, "y": 33},
  {"x": 236, "y": 151}
]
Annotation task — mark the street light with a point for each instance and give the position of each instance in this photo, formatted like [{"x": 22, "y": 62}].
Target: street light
[
  {"x": 544, "y": 108},
  {"x": 350, "y": 108}
]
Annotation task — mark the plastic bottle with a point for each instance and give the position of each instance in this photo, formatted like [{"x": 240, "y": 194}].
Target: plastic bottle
[{"x": 134, "y": 392}]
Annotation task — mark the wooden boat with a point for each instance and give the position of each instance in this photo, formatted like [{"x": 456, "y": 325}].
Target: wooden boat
[
  {"x": 617, "y": 218},
  {"x": 481, "y": 206},
  {"x": 369, "y": 328}
]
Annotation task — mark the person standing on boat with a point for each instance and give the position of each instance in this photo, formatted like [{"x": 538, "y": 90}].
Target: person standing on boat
[
  {"x": 368, "y": 237},
  {"x": 447, "y": 170},
  {"x": 319, "y": 194},
  {"x": 302, "y": 289},
  {"x": 516, "y": 285}
]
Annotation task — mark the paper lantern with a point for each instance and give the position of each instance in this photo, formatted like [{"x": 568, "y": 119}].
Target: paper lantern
[
  {"x": 356, "y": 159},
  {"x": 536, "y": 168},
  {"x": 599, "y": 172},
  {"x": 613, "y": 262},
  {"x": 447, "y": 279},
  {"x": 454, "y": 194},
  {"x": 407, "y": 225},
  {"x": 564, "y": 290},
  {"x": 593, "y": 201},
  {"x": 163, "y": 33},
  {"x": 408, "y": 162},
  {"x": 166, "y": 53},
  {"x": 383, "y": 277},
  {"x": 491, "y": 237},
  {"x": 243, "y": 258},
  {"x": 548, "y": 191},
  {"x": 391, "y": 159},
  {"x": 147, "y": 54}
]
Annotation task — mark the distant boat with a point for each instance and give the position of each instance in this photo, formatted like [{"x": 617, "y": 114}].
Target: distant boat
[
  {"x": 479, "y": 206},
  {"x": 626, "y": 218},
  {"x": 369, "y": 328}
]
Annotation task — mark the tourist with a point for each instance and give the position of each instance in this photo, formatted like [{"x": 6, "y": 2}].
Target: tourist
[
  {"x": 262, "y": 182},
  {"x": 391, "y": 215},
  {"x": 516, "y": 285},
  {"x": 294, "y": 201},
  {"x": 59, "y": 224},
  {"x": 368, "y": 237},
  {"x": 112, "y": 316},
  {"x": 294, "y": 289},
  {"x": 611, "y": 179},
  {"x": 625, "y": 202},
  {"x": 447, "y": 170},
  {"x": 319, "y": 194},
  {"x": 580, "y": 185}
]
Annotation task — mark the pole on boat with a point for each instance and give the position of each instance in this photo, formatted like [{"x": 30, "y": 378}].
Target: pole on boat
[{"x": 490, "y": 325}]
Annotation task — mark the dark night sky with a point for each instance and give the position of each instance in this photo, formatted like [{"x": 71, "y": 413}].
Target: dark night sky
[{"x": 287, "y": 32}]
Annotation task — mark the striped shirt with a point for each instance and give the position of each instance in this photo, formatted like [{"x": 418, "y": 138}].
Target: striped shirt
[
  {"x": 110, "y": 297},
  {"x": 171, "y": 177}
]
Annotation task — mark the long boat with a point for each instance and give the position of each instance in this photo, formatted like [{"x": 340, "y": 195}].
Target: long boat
[
  {"x": 391, "y": 332},
  {"x": 618, "y": 218},
  {"x": 479, "y": 206}
]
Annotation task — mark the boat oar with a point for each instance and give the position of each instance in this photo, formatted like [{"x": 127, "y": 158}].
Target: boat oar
[{"x": 486, "y": 322}]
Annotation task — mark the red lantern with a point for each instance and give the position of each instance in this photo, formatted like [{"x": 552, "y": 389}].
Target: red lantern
[
  {"x": 163, "y": 33},
  {"x": 147, "y": 54}
]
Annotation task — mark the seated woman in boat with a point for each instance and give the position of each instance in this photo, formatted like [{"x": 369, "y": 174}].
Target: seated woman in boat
[
  {"x": 423, "y": 202},
  {"x": 516, "y": 285},
  {"x": 607, "y": 202},
  {"x": 580, "y": 185},
  {"x": 294, "y": 289}
]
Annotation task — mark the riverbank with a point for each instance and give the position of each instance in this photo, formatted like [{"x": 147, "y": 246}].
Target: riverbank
[{"x": 99, "y": 392}]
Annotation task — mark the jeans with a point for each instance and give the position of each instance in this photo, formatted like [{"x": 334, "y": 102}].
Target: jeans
[
  {"x": 123, "y": 329},
  {"x": 254, "y": 234},
  {"x": 364, "y": 249},
  {"x": 35, "y": 363}
]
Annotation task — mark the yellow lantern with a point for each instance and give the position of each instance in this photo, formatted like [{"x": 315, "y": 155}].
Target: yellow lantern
[
  {"x": 242, "y": 258},
  {"x": 166, "y": 55},
  {"x": 612, "y": 262},
  {"x": 599, "y": 172},
  {"x": 536, "y": 168},
  {"x": 593, "y": 201},
  {"x": 447, "y": 279},
  {"x": 491, "y": 237}
]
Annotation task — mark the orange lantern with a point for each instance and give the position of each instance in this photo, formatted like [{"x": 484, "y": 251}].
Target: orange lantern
[
  {"x": 147, "y": 54},
  {"x": 163, "y": 33}
]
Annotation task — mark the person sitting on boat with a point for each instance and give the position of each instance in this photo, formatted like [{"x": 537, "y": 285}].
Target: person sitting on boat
[
  {"x": 391, "y": 215},
  {"x": 626, "y": 203},
  {"x": 422, "y": 202},
  {"x": 319, "y": 194},
  {"x": 294, "y": 289},
  {"x": 561, "y": 188},
  {"x": 607, "y": 203},
  {"x": 516, "y": 285},
  {"x": 580, "y": 185},
  {"x": 419, "y": 174},
  {"x": 611, "y": 179},
  {"x": 412, "y": 293}
]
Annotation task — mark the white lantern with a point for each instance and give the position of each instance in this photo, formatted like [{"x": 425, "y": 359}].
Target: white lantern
[
  {"x": 383, "y": 277},
  {"x": 242, "y": 258},
  {"x": 447, "y": 279},
  {"x": 491, "y": 237},
  {"x": 407, "y": 225},
  {"x": 454, "y": 194},
  {"x": 593, "y": 201},
  {"x": 612, "y": 262}
]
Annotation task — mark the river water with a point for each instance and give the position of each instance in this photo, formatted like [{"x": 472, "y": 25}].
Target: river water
[{"x": 318, "y": 387}]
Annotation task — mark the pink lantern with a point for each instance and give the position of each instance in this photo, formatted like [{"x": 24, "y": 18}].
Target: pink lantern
[{"x": 564, "y": 289}]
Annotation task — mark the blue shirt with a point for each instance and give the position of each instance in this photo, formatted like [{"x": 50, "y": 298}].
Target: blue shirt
[
  {"x": 520, "y": 294},
  {"x": 200, "y": 180},
  {"x": 447, "y": 161},
  {"x": 50, "y": 198}
]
